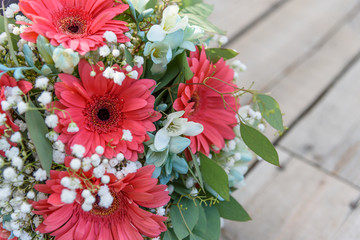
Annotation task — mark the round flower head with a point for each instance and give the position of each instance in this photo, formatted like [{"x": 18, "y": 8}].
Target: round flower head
[
  {"x": 116, "y": 212},
  {"x": 79, "y": 25},
  {"x": 115, "y": 117},
  {"x": 205, "y": 106}
]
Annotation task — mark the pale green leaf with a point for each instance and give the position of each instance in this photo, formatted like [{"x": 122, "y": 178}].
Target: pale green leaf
[
  {"x": 214, "y": 54},
  {"x": 270, "y": 110},
  {"x": 232, "y": 210}
]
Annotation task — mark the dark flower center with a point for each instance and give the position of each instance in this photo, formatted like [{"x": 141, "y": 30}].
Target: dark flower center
[
  {"x": 103, "y": 113},
  {"x": 72, "y": 21}
]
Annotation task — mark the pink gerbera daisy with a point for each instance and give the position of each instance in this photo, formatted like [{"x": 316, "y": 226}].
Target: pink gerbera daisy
[
  {"x": 76, "y": 24},
  {"x": 204, "y": 105},
  {"x": 123, "y": 220},
  {"x": 116, "y": 117}
]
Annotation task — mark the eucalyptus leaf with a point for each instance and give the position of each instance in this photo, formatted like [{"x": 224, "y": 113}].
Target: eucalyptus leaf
[
  {"x": 184, "y": 216},
  {"x": 215, "y": 54},
  {"x": 199, "y": 177},
  {"x": 259, "y": 144},
  {"x": 128, "y": 57},
  {"x": 270, "y": 110},
  {"x": 215, "y": 176},
  {"x": 37, "y": 131},
  {"x": 184, "y": 66},
  {"x": 232, "y": 210},
  {"x": 28, "y": 55},
  {"x": 169, "y": 235},
  {"x": 171, "y": 73}
]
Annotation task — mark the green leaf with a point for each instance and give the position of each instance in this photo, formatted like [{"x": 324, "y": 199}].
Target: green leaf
[
  {"x": 214, "y": 54},
  {"x": 128, "y": 57},
  {"x": 188, "y": 3},
  {"x": 215, "y": 176},
  {"x": 259, "y": 144},
  {"x": 151, "y": 4},
  {"x": 270, "y": 110},
  {"x": 171, "y": 73},
  {"x": 38, "y": 130},
  {"x": 201, "y": 225},
  {"x": 198, "y": 14},
  {"x": 199, "y": 179},
  {"x": 184, "y": 216},
  {"x": 169, "y": 235},
  {"x": 232, "y": 210},
  {"x": 184, "y": 66},
  {"x": 213, "y": 223}
]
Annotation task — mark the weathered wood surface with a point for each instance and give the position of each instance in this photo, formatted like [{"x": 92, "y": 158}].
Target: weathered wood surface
[
  {"x": 296, "y": 203},
  {"x": 329, "y": 135},
  {"x": 306, "y": 53}
]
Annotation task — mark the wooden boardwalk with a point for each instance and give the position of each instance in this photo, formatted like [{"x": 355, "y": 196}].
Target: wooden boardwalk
[{"x": 307, "y": 54}]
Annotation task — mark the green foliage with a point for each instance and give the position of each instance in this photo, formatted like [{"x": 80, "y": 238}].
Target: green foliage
[
  {"x": 232, "y": 210},
  {"x": 38, "y": 130},
  {"x": 208, "y": 226},
  {"x": 128, "y": 57},
  {"x": 199, "y": 177},
  {"x": 184, "y": 215},
  {"x": 188, "y": 3},
  {"x": 169, "y": 235},
  {"x": 259, "y": 144},
  {"x": 198, "y": 14},
  {"x": 215, "y": 176},
  {"x": 214, "y": 54},
  {"x": 270, "y": 110}
]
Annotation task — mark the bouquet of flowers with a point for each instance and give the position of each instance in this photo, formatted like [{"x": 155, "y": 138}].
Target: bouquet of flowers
[{"x": 118, "y": 122}]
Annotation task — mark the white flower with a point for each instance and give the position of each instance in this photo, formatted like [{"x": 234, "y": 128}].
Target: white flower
[
  {"x": 2, "y": 119},
  {"x": 78, "y": 150},
  {"x": 171, "y": 22},
  {"x": 99, "y": 171},
  {"x": 99, "y": 150},
  {"x": 139, "y": 61},
  {"x": 109, "y": 72},
  {"x": 14, "y": 6},
  {"x": 75, "y": 164},
  {"x": 113, "y": 162},
  {"x": 13, "y": 152},
  {"x": 5, "y": 105},
  {"x": 72, "y": 127},
  {"x": 9, "y": 174},
  {"x": 58, "y": 157},
  {"x": 105, "y": 179},
  {"x": 189, "y": 183},
  {"x": 16, "y": 137},
  {"x": 4, "y": 145},
  {"x": 128, "y": 68},
  {"x": 86, "y": 164},
  {"x": 52, "y": 120},
  {"x": 41, "y": 82},
  {"x": 133, "y": 74},
  {"x": 130, "y": 168},
  {"x": 92, "y": 73},
  {"x": 106, "y": 200},
  {"x": 25, "y": 207},
  {"x": 30, "y": 195},
  {"x": 22, "y": 107},
  {"x": 95, "y": 160},
  {"x": 103, "y": 190},
  {"x": 40, "y": 175},
  {"x": 9, "y": 13},
  {"x": 110, "y": 37},
  {"x": 45, "y": 98},
  {"x": 160, "y": 211},
  {"x": 17, "y": 162},
  {"x": 174, "y": 125},
  {"x": 119, "y": 77},
  {"x": 59, "y": 145},
  {"x": 115, "y": 52},
  {"x": 3, "y": 37},
  {"x": 223, "y": 40},
  {"x": 127, "y": 136},
  {"x": 104, "y": 51},
  {"x": 86, "y": 193},
  {"x": 65, "y": 59},
  {"x": 86, "y": 207},
  {"x": 237, "y": 64},
  {"x": 68, "y": 196},
  {"x": 120, "y": 157},
  {"x": 5, "y": 192}
]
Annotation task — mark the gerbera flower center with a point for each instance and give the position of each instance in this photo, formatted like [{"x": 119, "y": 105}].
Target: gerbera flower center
[
  {"x": 72, "y": 21},
  {"x": 195, "y": 98},
  {"x": 103, "y": 114},
  {"x": 117, "y": 206}
]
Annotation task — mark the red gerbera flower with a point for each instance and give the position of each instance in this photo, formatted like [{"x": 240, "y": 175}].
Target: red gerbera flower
[
  {"x": 107, "y": 114},
  {"x": 202, "y": 104},
  {"x": 76, "y": 24},
  {"x": 123, "y": 220}
]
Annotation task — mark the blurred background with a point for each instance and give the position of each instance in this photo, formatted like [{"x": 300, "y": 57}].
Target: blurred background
[{"x": 306, "y": 53}]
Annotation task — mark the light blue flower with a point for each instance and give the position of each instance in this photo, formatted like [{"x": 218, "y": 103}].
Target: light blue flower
[{"x": 65, "y": 59}]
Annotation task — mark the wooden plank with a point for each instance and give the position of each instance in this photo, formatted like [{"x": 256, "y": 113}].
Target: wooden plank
[
  {"x": 350, "y": 229},
  {"x": 329, "y": 134},
  {"x": 296, "y": 203},
  {"x": 288, "y": 35},
  {"x": 296, "y": 91},
  {"x": 234, "y": 15}
]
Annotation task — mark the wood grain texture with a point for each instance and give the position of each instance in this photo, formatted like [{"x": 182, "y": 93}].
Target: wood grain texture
[
  {"x": 296, "y": 203},
  {"x": 286, "y": 36},
  {"x": 234, "y": 15},
  {"x": 329, "y": 134},
  {"x": 301, "y": 87}
]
